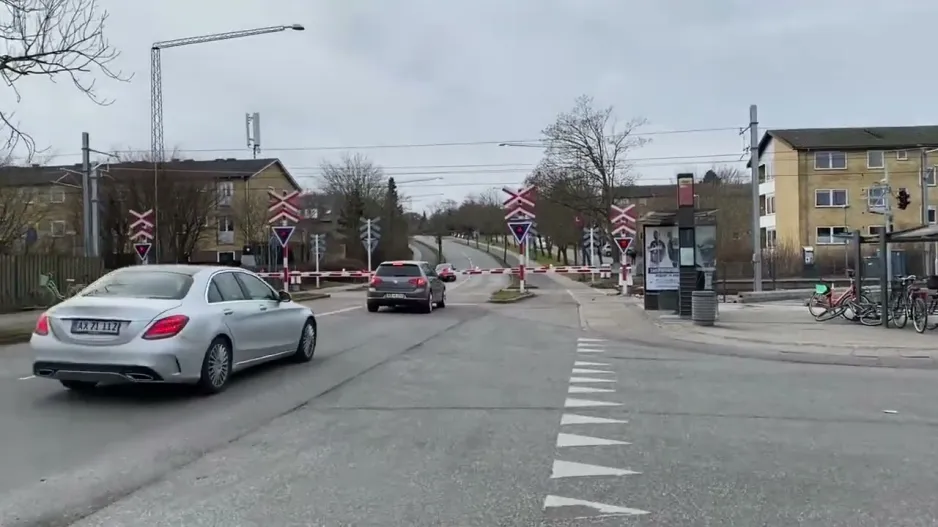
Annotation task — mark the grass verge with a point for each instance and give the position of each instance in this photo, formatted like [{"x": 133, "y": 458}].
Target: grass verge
[
  {"x": 509, "y": 296},
  {"x": 433, "y": 250}
]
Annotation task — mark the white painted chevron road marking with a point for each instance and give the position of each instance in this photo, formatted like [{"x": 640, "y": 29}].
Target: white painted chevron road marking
[
  {"x": 574, "y": 419},
  {"x": 589, "y": 389},
  {"x": 568, "y": 440},
  {"x": 569, "y": 469},
  {"x": 585, "y": 403},
  {"x": 603, "y": 509}
]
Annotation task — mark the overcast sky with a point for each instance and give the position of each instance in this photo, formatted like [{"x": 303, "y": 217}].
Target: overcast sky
[{"x": 397, "y": 72}]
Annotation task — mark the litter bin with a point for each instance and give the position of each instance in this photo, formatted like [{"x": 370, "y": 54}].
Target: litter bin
[{"x": 703, "y": 307}]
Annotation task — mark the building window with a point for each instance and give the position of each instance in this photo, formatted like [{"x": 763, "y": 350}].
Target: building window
[
  {"x": 311, "y": 214},
  {"x": 56, "y": 195},
  {"x": 930, "y": 176},
  {"x": 57, "y": 228},
  {"x": 832, "y": 235},
  {"x": 769, "y": 238},
  {"x": 226, "y": 257},
  {"x": 876, "y": 197},
  {"x": 830, "y": 198},
  {"x": 875, "y": 159},
  {"x": 875, "y": 230},
  {"x": 902, "y": 155},
  {"x": 932, "y": 216},
  {"x": 225, "y": 224},
  {"x": 770, "y": 205},
  {"x": 224, "y": 191},
  {"x": 830, "y": 161}
]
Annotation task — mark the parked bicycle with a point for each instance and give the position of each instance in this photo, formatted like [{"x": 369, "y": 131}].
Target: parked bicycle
[
  {"x": 899, "y": 307},
  {"x": 851, "y": 304},
  {"x": 48, "y": 293}
]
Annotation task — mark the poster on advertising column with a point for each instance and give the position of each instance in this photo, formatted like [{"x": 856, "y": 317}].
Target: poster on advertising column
[{"x": 662, "y": 257}]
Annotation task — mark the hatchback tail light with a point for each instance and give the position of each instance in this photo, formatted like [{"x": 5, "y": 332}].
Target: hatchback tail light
[
  {"x": 42, "y": 325},
  {"x": 165, "y": 328},
  {"x": 374, "y": 282},
  {"x": 419, "y": 282}
]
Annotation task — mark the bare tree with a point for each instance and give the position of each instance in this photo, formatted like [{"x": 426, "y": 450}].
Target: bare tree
[
  {"x": 359, "y": 187},
  {"x": 53, "y": 38},
  {"x": 250, "y": 218},
  {"x": 586, "y": 157},
  {"x": 18, "y": 212}
]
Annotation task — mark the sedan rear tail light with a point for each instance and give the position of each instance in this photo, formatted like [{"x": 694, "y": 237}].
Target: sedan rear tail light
[
  {"x": 419, "y": 282},
  {"x": 42, "y": 325},
  {"x": 374, "y": 281},
  {"x": 165, "y": 328}
]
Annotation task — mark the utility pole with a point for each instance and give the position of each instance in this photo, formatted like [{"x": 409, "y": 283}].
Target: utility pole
[
  {"x": 888, "y": 229},
  {"x": 86, "y": 192},
  {"x": 923, "y": 185},
  {"x": 756, "y": 226},
  {"x": 252, "y": 128}
]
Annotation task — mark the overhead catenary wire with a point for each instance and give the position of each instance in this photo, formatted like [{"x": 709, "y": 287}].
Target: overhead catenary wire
[{"x": 487, "y": 142}]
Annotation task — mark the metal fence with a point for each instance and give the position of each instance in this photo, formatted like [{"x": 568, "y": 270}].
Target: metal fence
[{"x": 19, "y": 276}]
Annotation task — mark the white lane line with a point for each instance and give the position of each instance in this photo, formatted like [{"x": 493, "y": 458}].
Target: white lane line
[
  {"x": 586, "y": 370},
  {"x": 326, "y": 314},
  {"x": 603, "y": 509},
  {"x": 568, "y": 440},
  {"x": 584, "y": 339},
  {"x": 337, "y": 311},
  {"x": 591, "y": 379},
  {"x": 574, "y": 419},
  {"x": 468, "y": 276},
  {"x": 585, "y": 403},
  {"x": 586, "y": 363},
  {"x": 589, "y": 389},
  {"x": 569, "y": 469}
]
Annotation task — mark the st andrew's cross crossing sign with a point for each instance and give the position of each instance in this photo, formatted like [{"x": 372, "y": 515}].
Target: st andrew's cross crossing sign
[
  {"x": 624, "y": 220},
  {"x": 520, "y": 229},
  {"x": 519, "y": 204},
  {"x": 284, "y": 207}
]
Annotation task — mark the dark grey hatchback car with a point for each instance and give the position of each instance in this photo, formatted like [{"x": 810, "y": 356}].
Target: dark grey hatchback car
[{"x": 406, "y": 283}]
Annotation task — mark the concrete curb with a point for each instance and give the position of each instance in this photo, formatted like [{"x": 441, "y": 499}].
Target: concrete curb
[
  {"x": 512, "y": 300},
  {"x": 752, "y": 349}
]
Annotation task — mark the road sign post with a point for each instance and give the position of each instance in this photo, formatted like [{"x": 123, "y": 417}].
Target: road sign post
[
  {"x": 589, "y": 243},
  {"x": 284, "y": 209},
  {"x": 519, "y": 211},
  {"x": 318, "y": 241},
  {"x": 141, "y": 233},
  {"x": 370, "y": 234},
  {"x": 624, "y": 228},
  {"x": 624, "y": 242}
]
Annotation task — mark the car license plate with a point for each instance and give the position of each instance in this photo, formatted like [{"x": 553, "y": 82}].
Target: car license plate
[
  {"x": 96, "y": 327},
  {"x": 393, "y": 296}
]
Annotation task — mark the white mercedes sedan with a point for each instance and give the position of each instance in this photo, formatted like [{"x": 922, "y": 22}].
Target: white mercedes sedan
[{"x": 170, "y": 324}]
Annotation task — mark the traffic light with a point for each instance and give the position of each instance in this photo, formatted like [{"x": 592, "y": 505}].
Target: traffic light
[{"x": 903, "y": 199}]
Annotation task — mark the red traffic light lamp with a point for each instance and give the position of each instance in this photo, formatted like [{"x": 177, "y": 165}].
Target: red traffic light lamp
[{"x": 903, "y": 199}]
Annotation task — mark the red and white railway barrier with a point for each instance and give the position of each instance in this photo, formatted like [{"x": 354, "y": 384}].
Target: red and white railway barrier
[{"x": 570, "y": 269}]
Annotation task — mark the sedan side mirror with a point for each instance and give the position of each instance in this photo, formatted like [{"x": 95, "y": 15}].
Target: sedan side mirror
[{"x": 285, "y": 297}]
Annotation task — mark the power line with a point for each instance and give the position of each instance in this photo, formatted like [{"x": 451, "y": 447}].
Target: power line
[{"x": 508, "y": 142}]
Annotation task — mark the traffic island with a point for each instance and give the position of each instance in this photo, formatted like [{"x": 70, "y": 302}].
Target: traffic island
[{"x": 509, "y": 296}]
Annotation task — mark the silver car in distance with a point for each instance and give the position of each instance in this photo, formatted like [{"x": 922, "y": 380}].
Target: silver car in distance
[{"x": 170, "y": 324}]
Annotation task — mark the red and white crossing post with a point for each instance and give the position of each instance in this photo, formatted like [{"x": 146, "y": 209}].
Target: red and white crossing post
[
  {"x": 624, "y": 227},
  {"x": 284, "y": 209},
  {"x": 141, "y": 233},
  {"x": 519, "y": 212}
]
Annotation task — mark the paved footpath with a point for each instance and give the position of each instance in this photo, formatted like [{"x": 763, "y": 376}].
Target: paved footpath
[{"x": 775, "y": 331}]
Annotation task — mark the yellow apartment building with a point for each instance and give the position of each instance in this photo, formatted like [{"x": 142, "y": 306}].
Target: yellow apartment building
[
  {"x": 237, "y": 214},
  {"x": 816, "y": 183}
]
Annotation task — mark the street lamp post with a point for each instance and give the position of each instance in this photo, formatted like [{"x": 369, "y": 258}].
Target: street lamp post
[{"x": 156, "y": 95}]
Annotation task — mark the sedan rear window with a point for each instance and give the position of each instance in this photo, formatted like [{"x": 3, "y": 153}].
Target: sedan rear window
[
  {"x": 141, "y": 284},
  {"x": 409, "y": 270}
]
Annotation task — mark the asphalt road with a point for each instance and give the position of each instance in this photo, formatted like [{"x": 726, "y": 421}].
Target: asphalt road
[{"x": 479, "y": 415}]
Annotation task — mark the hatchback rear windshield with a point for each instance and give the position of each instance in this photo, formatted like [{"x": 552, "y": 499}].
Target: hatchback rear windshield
[
  {"x": 409, "y": 270},
  {"x": 141, "y": 284}
]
